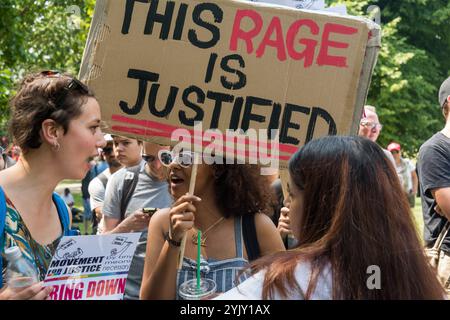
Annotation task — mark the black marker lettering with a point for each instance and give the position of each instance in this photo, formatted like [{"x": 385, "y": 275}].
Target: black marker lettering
[
  {"x": 215, "y": 31},
  {"x": 169, "y": 104},
  {"x": 199, "y": 113},
  {"x": 242, "y": 79},
  {"x": 249, "y": 116},
  {"x": 129, "y": 6},
  {"x": 165, "y": 19},
  {"x": 219, "y": 98},
  {"x": 316, "y": 112},
  {"x": 144, "y": 77}
]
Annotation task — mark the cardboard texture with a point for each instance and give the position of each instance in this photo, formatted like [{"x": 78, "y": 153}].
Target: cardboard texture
[{"x": 156, "y": 66}]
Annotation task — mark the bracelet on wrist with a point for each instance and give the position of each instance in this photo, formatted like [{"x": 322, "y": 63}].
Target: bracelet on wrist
[{"x": 171, "y": 241}]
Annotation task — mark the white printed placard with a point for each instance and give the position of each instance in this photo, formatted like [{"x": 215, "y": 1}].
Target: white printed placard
[{"x": 91, "y": 267}]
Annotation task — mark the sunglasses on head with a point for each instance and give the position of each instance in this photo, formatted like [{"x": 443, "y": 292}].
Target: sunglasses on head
[
  {"x": 73, "y": 85},
  {"x": 184, "y": 159}
]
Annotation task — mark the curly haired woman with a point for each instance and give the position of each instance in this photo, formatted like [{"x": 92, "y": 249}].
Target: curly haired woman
[{"x": 226, "y": 198}]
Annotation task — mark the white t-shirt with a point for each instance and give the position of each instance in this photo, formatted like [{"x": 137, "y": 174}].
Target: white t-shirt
[
  {"x": 97, "y": 196},
  {"x": 404, "y": 170},
  {"x": 68, "y": 199},
  {"x": 251, "y": 289}
]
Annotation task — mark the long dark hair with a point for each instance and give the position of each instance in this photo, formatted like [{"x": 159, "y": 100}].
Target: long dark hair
[{"x": 355, "y": 216}]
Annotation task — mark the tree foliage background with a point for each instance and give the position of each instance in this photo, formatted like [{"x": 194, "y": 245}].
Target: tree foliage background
[{"x": 40, "y": 34}]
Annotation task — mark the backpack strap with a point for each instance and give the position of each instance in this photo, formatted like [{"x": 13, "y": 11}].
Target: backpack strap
[
  {"x": 103, "y": 179},
  {"x": 250, "y": 236},
  {"x": 129, "y": 185},
  {"x": 2, "y": 228},
  {"x": 63, "y": 213}
]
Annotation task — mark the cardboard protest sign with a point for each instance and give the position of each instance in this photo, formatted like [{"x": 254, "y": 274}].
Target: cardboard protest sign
[
  {"x": 91, "y": 267},
  {"x": 199, "y": 72}
]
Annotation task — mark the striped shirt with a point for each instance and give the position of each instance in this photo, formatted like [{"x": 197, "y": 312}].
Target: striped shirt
[{"x": 223, "y": 272}]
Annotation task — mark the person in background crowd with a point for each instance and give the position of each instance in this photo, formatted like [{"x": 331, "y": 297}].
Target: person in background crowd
[
  {"x": 87, "y": 214},
  {"x": 370, "y": 127},
  {"x": 433, "y": 166},
  {"x": 4, "y": 142},
  {"x": 97, "y": 186},
  {"x": 15, "y": 153},
  {"x": 5, "y": 160},
  {"x": 68, "y": 199},
  {"x": 148, "y": 188},
  {"x": 406, "y": 172},
  {"x": 228, "y": 206},
  {"x": 55, "y": 119},
  {"x": 348, "y": 211}
]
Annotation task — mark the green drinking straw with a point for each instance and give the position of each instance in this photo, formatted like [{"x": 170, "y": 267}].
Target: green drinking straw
[{"x": 199, "y": 252}]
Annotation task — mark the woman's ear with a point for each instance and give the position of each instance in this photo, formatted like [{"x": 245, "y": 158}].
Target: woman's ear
[{"x": 51, "y": 132}]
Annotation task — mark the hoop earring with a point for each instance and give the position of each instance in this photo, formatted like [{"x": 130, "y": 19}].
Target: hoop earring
[{"x": 56, "y": 146}]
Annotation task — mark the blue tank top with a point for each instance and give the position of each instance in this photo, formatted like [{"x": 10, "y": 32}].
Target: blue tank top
[{"x": 223, "y": 272}]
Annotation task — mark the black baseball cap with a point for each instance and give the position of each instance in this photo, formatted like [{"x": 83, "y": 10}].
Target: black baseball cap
[{"x": 444, "y": 91}]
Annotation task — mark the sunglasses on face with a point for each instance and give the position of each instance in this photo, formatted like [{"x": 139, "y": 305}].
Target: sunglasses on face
[
  {"x": 148, "y": 157},
  {"x": 370, "y": 124},
  {"x": 73, "y": 85},
  {"x": 184, "y": 159}
]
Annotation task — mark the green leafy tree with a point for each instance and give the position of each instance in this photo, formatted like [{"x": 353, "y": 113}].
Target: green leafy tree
[
  {"x": 410, "y": 67},
  {"x": 39, "y": 34}
]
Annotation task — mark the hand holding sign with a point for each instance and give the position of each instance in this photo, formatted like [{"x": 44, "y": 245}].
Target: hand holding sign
[{"x": 182, "y": 216}]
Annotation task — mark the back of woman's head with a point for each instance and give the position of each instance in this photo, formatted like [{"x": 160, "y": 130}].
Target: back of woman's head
[
  {"x": 344, "y": 179},
  {"x": 41, "y": 96},
  {"x": 355, "y": 216}
]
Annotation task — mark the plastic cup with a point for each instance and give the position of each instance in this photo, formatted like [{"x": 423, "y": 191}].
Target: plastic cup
[{"x": 188, "y": 290}]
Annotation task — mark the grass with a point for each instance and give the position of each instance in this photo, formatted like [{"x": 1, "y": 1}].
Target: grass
[
  {"x": 418, "y": 217},
  {"x": 79, "y": 204}
]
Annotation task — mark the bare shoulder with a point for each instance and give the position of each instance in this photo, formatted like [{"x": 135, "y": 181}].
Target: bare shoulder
[
  {"x": 269, "y": 238},
  {"x": 263, "y": 221},
  {"x": 160, "y": 220}
]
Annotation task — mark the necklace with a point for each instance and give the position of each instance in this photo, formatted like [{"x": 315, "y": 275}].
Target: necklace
[{"x": 204, "y": 234}]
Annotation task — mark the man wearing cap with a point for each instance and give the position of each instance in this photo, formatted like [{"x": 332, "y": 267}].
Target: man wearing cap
[
  {"x": 434, "y": 178},
  {"x": 370, "y": 127},
  {"x": 406, "y": 172}
]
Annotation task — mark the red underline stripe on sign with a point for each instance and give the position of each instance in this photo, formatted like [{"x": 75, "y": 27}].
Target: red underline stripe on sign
[
  {"x": 156, "y": 127},
  {"x": 240, "y": 152},
  {"x": 84, "y": 276}
]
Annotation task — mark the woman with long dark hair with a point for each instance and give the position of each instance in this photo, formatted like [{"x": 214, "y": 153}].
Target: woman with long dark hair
[{"x": 355, "y": 229}]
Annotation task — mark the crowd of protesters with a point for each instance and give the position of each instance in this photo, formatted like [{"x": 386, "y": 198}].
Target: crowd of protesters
[{"x": 345, "y": 195}]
